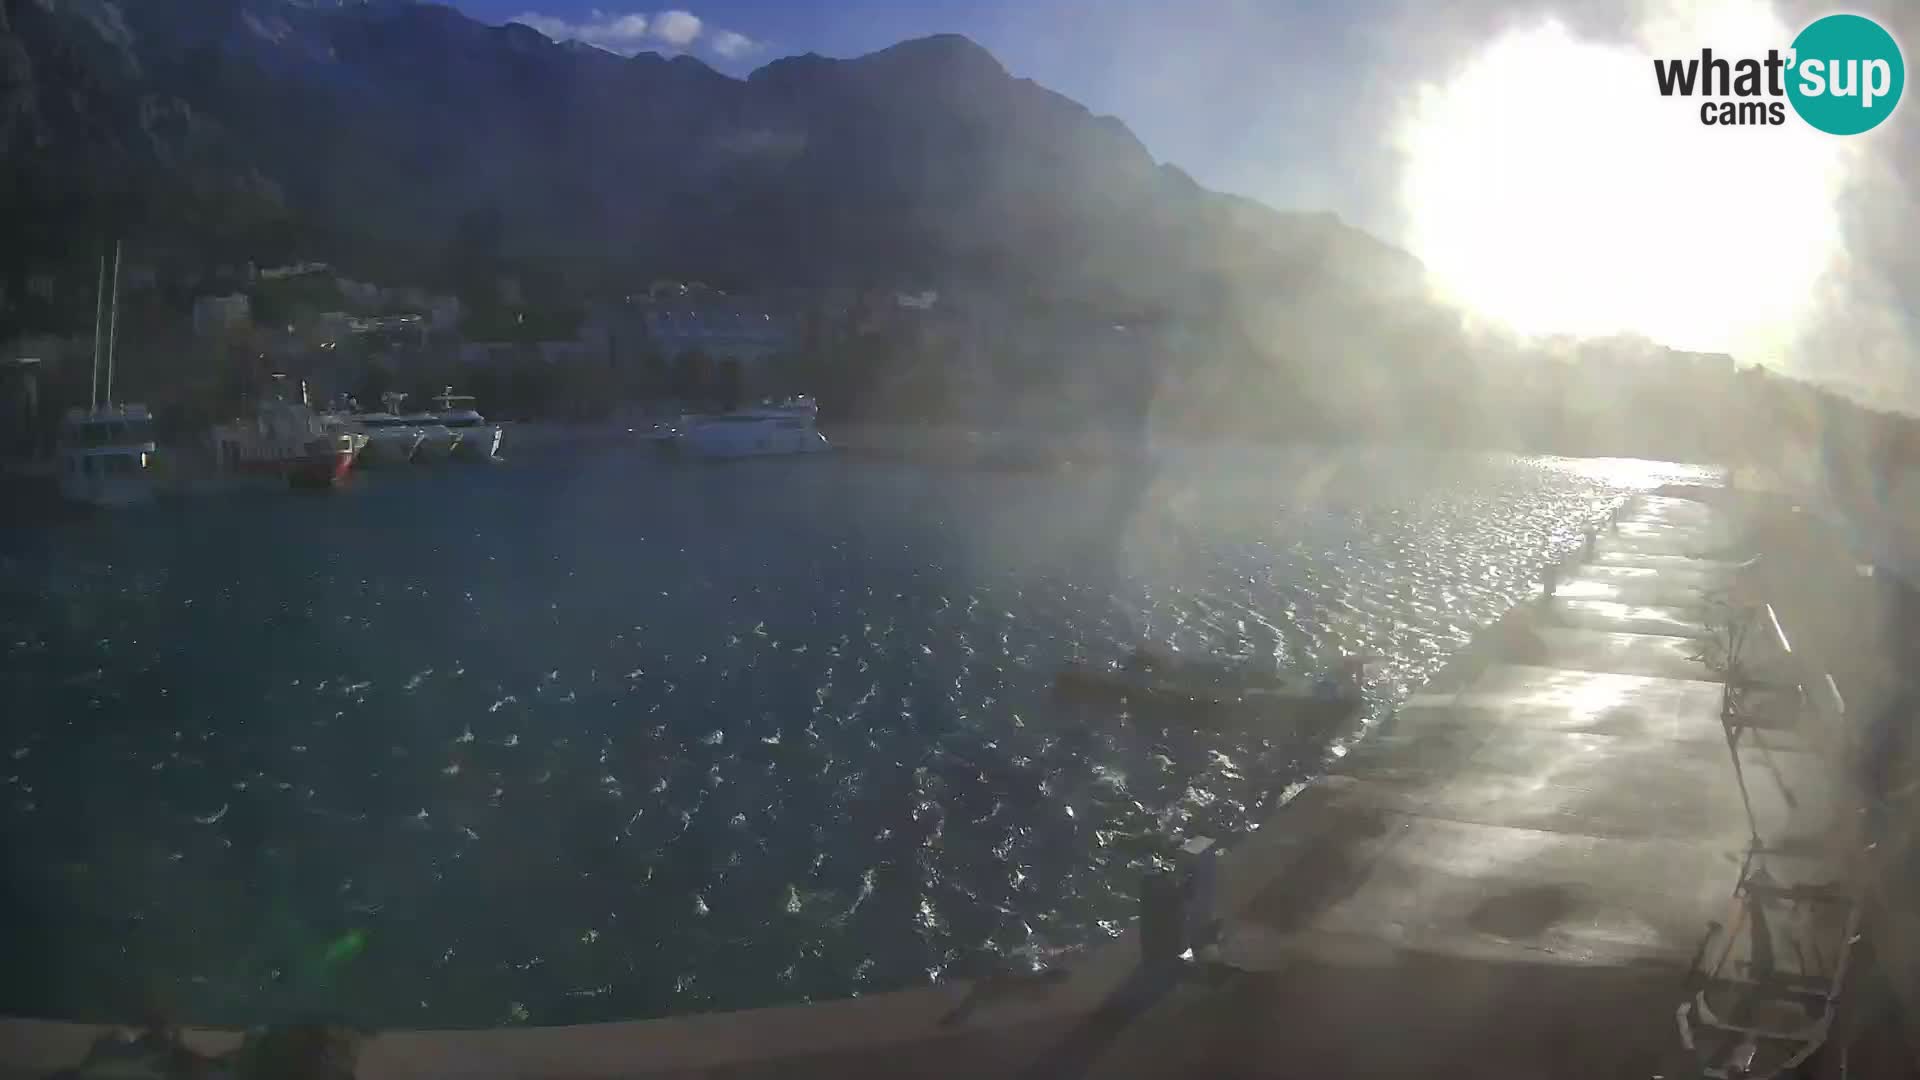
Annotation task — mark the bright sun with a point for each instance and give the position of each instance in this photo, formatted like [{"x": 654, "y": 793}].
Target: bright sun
[{"x": 1550, "y": 188}]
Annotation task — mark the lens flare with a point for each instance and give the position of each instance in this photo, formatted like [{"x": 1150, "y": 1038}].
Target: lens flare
[{"x": 1552, "y": 190}]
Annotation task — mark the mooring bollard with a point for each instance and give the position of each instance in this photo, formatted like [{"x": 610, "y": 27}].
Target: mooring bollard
[
  {"x": 1163, "y": 924},
  {"x": 1592, "y": 535},
  {"x": 1550, "y": 579},
  {"x": 1199, "y": 868}
]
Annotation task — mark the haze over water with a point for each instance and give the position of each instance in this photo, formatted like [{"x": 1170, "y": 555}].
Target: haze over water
[{"x": 585, "y": 737}]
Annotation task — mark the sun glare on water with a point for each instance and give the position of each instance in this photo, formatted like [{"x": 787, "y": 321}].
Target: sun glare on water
[{"x": 1550, "y": 189}]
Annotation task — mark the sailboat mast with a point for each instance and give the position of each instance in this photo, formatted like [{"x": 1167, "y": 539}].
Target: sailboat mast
[
  {"x": 113, "y": 321},
  {"x": 99, "y": 314}
]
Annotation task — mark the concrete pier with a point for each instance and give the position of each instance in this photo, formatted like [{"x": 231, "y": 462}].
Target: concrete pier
[
  {"x": 1519, "y": 876},
  {"x": 1522, "y": 874}
]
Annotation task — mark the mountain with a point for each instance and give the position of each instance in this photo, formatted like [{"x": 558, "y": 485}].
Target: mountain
[
  {"x": 399, "y": 139},
  {"x": 391, "y": 120}
]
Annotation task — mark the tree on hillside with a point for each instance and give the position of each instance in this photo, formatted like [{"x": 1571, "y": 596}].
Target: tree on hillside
[{"x": 473, "y": 255}]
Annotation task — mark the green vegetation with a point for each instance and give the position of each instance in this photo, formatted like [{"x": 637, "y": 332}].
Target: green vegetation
[
  {"x": 525, "y": 325},
  {"x": 296, "y": 300}
]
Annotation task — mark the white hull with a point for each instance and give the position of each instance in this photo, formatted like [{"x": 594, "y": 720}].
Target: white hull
[
  {"x": 477, "y": 443},
  {"x": 474, "y": 438},
  {"x": 767, "y": 431},
  {"x": 726, "y": 445},
  {"x": 391, "y": 447},
  {"x": 436, "y": 444},
  {"x": 104, "y": 456}
]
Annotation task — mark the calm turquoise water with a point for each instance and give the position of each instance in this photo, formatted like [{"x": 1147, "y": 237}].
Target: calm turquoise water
[{"x": 583, "y": 736}]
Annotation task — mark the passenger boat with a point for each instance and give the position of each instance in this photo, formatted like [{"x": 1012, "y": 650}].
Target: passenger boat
[
  {"x": 105, "y": 455},
  {"x": 437, "y": 441},
  {"x": 344, "y": 423},
  {"x": 390, "y": 440},
  {"x": 1159, "y": 677},
  {"x": 770, "y": 428},
  {"x": 474, "y": 438},
  {"x": 286, "y": 438}
]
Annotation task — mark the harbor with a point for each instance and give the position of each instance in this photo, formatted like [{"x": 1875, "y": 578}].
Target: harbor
[
  {"x": 1567, "y": 854},
  {"x": 957, "y": 542},
  {"x": 667, "y": 665}
]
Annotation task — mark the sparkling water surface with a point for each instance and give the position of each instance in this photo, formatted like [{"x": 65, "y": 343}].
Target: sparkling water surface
[{"x": 586, "y": 737}]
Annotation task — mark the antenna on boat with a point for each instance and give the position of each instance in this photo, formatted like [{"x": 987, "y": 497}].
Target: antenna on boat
[
  {"x": 113, "y": 322},
  {"x": 99, "y": 315}
]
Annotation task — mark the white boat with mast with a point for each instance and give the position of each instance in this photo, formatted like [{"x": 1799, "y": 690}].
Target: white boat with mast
[
  {"x": 477, "y": 439},
  {"x": 105, "y": 452}
]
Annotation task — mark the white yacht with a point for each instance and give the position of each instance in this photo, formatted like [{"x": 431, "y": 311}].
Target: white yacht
[
  {"x": 105, "y": 455},
  {"x": 390, "y": 440},
  {"x": 477, "y": 439},
  {"x": 437, "y": 441},
  {"x": 770, "y": 428}
]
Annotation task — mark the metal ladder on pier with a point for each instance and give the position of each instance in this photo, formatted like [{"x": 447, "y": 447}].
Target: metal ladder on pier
[{"x": 1772, "y": 986}]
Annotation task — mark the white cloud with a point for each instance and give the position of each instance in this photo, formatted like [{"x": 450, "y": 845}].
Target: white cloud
[
  {"x": 625, "y": 34},
  {"x": 732, "y": 46},
  {"x": 631, "y": 32},
  {"x": 676, "y": 28}
]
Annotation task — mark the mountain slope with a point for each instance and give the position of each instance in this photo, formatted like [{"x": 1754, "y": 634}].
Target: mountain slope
[
  {"x": 392, "y": 119},
  {"x": 398, "y": 138}
]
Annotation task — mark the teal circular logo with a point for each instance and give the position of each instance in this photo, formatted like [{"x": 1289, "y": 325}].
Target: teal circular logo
[{"x": 1846, "y": 74}]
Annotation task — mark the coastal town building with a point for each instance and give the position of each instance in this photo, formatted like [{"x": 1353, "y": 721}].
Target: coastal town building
[
  {"x": 214, "y": 314},
  {"x": 745, "y": 328}
]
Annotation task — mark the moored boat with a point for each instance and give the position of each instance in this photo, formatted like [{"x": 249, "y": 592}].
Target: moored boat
[
  {"x": 767, "y": 429},
  {"x": 390, "y": 440},
  {"x": 437, "y": 440},
  {"x": 1151, "y": 676},
  {"x": 285, "y": 438},
  {"x": 344, "y": 423},
  {"x": 475, "y": 439},
  {"x": 104, "y": 455}
]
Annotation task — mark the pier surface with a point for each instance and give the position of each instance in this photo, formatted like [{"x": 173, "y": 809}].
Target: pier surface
[
  {"x": 1516, "y": 877},
  {"x": 1513, "y": 877}
]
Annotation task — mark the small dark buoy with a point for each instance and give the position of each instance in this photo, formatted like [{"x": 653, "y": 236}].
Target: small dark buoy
[
  {"x": 1199, "y": 873},
  {"x": 1550, "y": 578},
  {"x": 1163, "y": 924}
]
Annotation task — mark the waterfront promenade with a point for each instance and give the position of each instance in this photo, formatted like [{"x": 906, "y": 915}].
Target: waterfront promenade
[{"x": 1518, "y": 875}]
